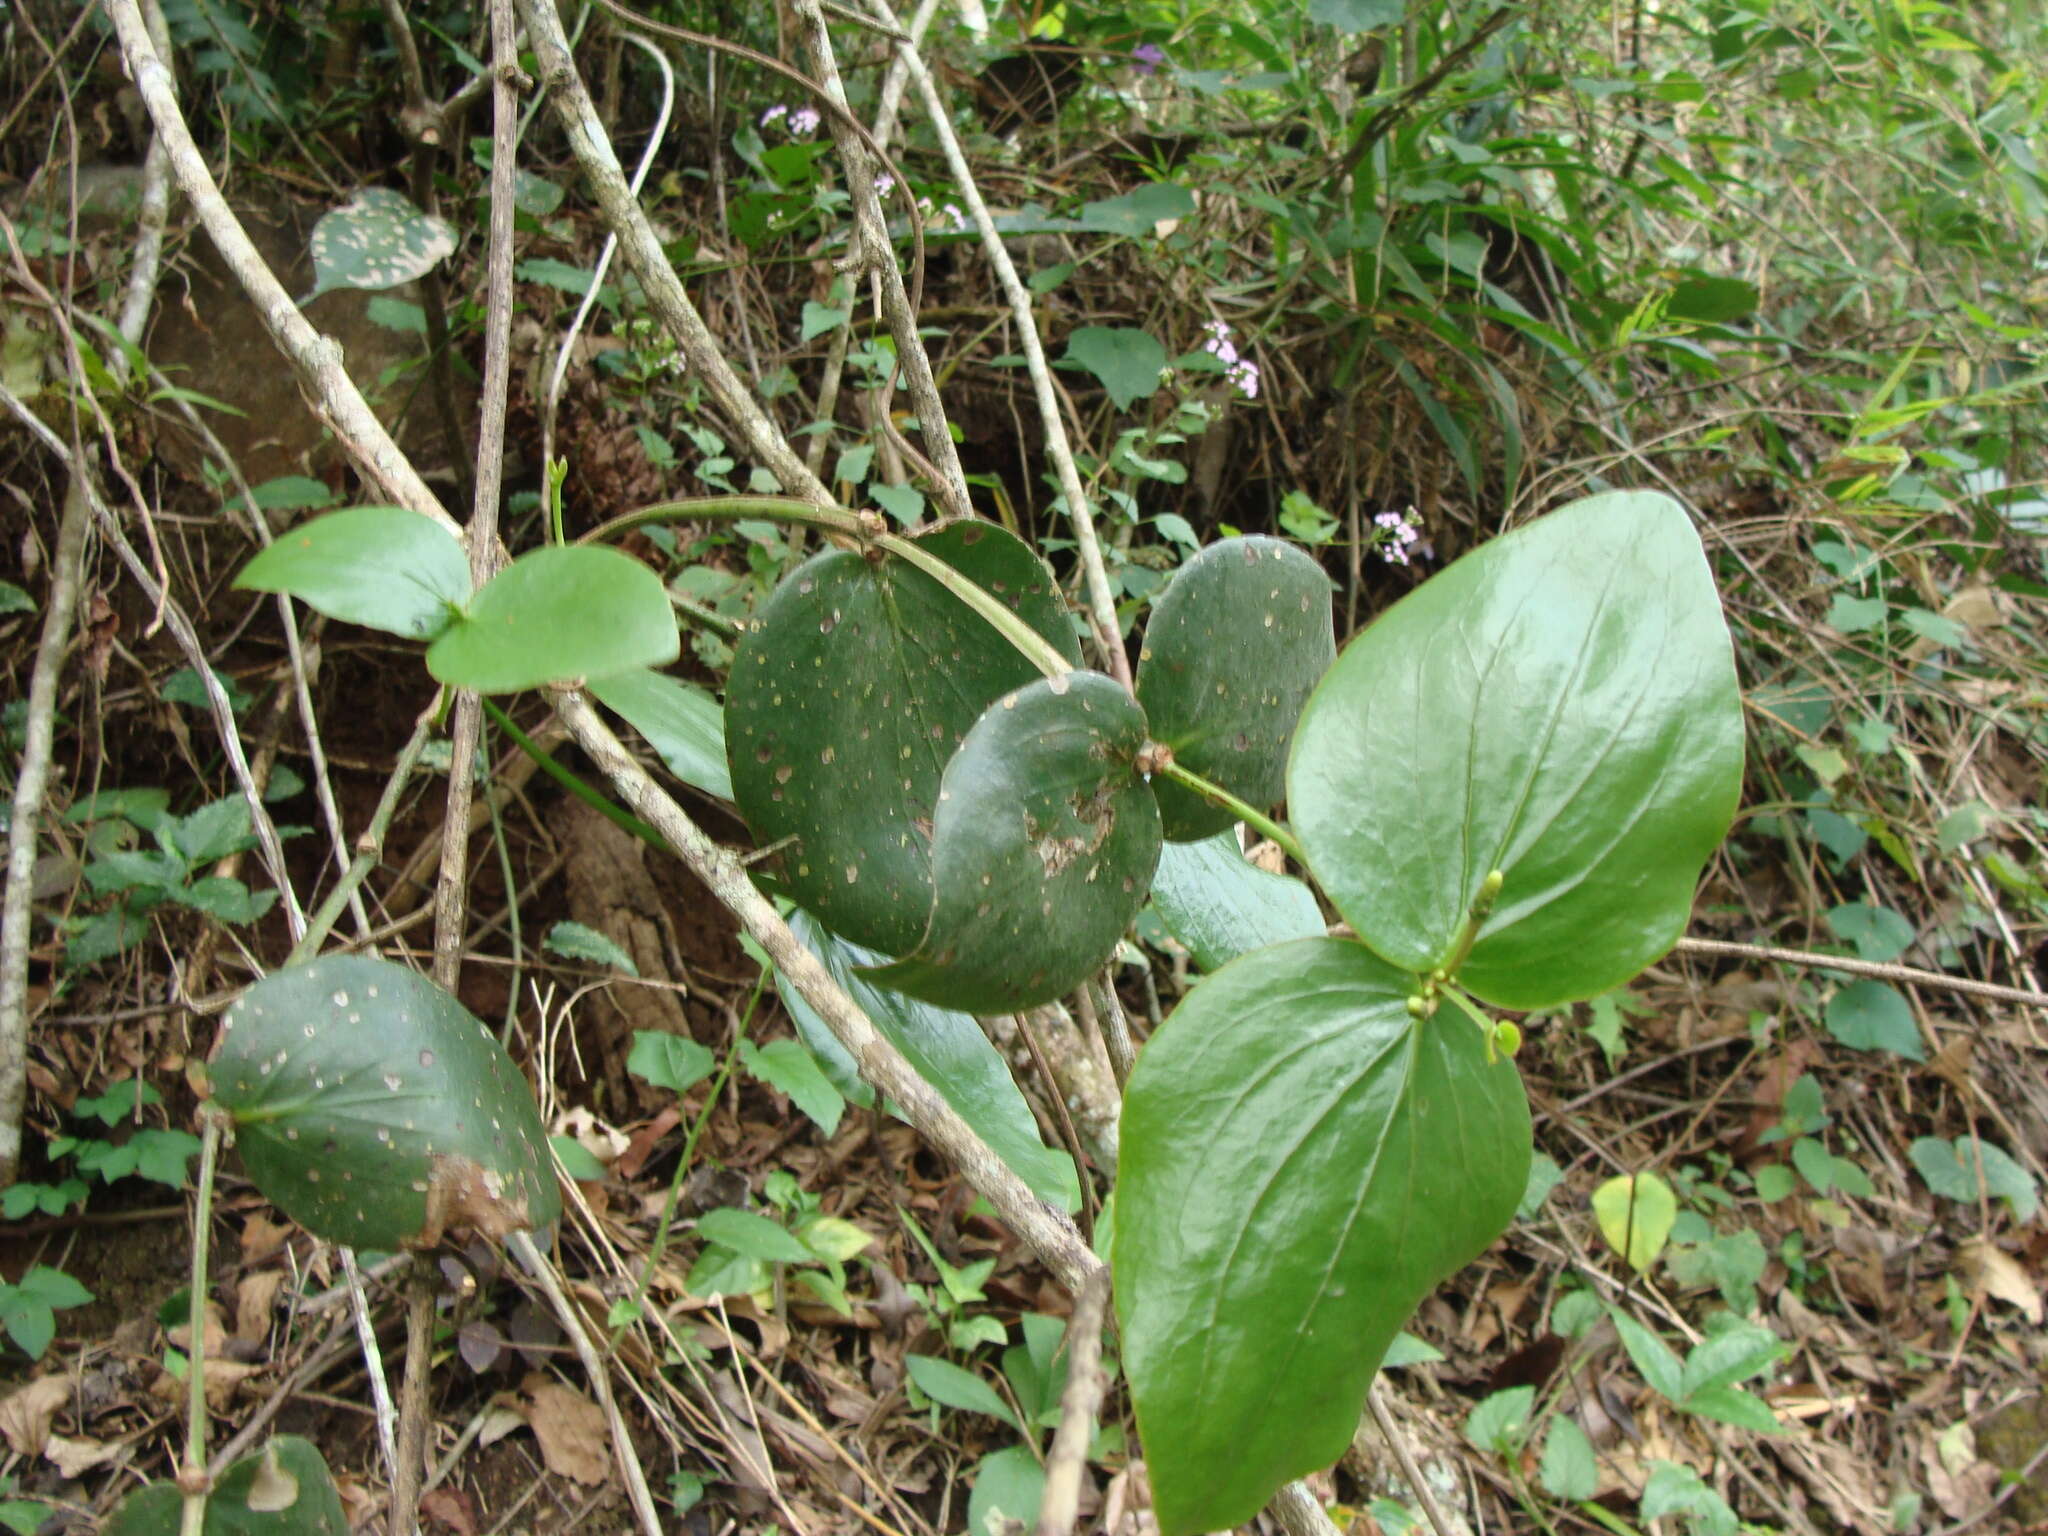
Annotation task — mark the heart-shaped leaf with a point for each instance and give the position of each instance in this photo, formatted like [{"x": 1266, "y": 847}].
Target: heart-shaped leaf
[
  {"x": 949, "y": 1051},
  {"x": 1560, "y": 706},
  {"x": 374, "y": 1111},
  {"x": 683, "y": 724},
  {"x": 377, "y": 239},
  {"x": 1126, "y": 361},
  {"x": 282, "y": 1490},
  {"x": 383, "y": 567},
  {"x": 566, "y": 611},
  {"x": 845, "y": 704},
  {"x": 1232, "y": 650},
  {"x": 1302, "y": 1162},
  {"x": 1044, "y": 845},
  {"x": 1220, "y": 905}
]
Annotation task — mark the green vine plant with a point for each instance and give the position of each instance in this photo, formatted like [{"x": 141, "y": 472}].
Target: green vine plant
[{"x": 1503, "y": 791}]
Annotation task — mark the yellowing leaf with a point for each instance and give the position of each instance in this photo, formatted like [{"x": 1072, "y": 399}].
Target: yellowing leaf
[{"x": 1635, "y": 1213}]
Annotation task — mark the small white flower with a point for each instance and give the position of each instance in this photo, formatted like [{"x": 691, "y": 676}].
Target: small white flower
[
  {"x": 884, "y": 184},
  {"x": 803, "y": 122},
  {"x": 773, "y": 113}
]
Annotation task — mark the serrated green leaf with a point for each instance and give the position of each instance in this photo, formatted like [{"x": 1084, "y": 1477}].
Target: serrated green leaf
[
  {"x": 212, "y": 832},
  {"x": 53, "y": 1288},
  {"x": 785, "y": 1065},
  {"x": 682, "y": 723},
  {"x": 949, "y": 1051},
  {"x": 562, "y": 612},
  {"x": 847, "y": 700},
  {"x": 668, "y": 1061},
  {"x": 1950, "y": 1169},
  {"x": 1879, "y": 934},
  {"x": 378, "y": 239},
  {"x": 144, "y": 807},
  {"x": 944, "y": 1382},
  {"x": 383, "y": 567},
  {"x": 1042, "y": 849},
  {"x": 1499, "y": 1422},
  {"x": 1232, "y": 650},
  {"x": 1569, "y": 1470},
  {"x": 752, "y": 1235},
  {"x": 1126, "y": 361},
  {"x": 577, "y": 941},
  {"x": 1870, "y": 1016},
  {"x": 373, "y": 1110},
  {"x": 1560, "y": 706},
  {"x": 1221, "y": 905},
  {"x": 1635, "y": 1213},
  {"x": 1302, "y": 1162}
]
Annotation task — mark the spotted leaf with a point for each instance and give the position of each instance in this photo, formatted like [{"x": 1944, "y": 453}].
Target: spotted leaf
[
  {"x": 374, "y": 1111},
  {"x": 377, "y": 239},
  {"x": 845, "y": 704}
]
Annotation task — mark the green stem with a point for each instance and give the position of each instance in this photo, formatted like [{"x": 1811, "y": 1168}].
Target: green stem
[
  {"x": 1034, "y": 647},
  {"x": 689, "y": 1154},
  {"x": 715, "y": 509},
  {"x": 1257, "y": 820},
  {"x": 1475, "y": 919},
  {"x": 194, "y": 1478},
  {"x": 370, "y": 846},
  {"x": 569, "y": 781}
]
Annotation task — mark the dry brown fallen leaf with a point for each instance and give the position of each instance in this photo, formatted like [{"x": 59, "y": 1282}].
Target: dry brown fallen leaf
[
  {"x": 74, "y": 1458},
  {"x": 26, "y": 1415},
  {"x": 1993, "y": 1271},
  {"x": 255, "y": 1297},
  {"x": 574, "y": 1440}
]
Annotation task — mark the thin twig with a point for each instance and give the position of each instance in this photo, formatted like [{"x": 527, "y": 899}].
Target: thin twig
[
  {"x": 1079, "y": 1404},
  {"x": 373, "y": 1363},
  {"x": 317, "y": 358},
  {"x": 1391, "y": 1433},
  {"x": 1101, "y": 602},
  {"x": 543, "y": 1272},
  {"x": 1905, "y": 974}
]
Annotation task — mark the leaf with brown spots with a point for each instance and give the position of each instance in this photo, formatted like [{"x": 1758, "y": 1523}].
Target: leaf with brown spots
[
  {"x": 374, "y": 1111},
  {"x": 1043, "y": 850},
  {"x": 845, "y": 704}
]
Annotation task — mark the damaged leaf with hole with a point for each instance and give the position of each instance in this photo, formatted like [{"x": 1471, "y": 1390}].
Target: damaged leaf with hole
[
  {"x": 373, "y": 1110},
  {"x": 1042, "y": 850},
  {"x": 845, "y": 704}
]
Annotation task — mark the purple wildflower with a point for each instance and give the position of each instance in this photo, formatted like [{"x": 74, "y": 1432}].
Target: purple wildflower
[
  {"x": 1147, "y": 57},
  {"x": 779, "y": 110},
  {"x": 1396, "y": 535},
  {"x": 803, "y": 122}
]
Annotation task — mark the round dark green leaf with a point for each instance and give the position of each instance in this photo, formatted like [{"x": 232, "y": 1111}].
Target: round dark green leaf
[
  {"x": 374, "y": 1111},
  {"x": 1870, "y": 1016},
  {"x": 566, "y": 611},
  {"x": 1302, "y": 1162},
  {"x": 383, "y": 567},
  {"x": 1045, "y": 843},
  {"x": 845, "y": 704},
  {"x": 1232, "y": 649},
  {"x": 282, "y": 1490},
  {"x": 1559, "y": 705}
]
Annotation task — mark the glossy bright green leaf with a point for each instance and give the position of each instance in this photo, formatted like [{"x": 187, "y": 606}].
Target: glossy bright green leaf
[
  {"x": 378, "y": 239},
  {"x": 1635, "y": 1213},
  {"x": 1302, "y": 1162},
  {"x": 374, "y": 1111},
  {"x": 1043, "y": 849},
  {"x": 282, "y": 1490},
  {"x": 682, "y": 723},
  {"x": 1221, "y": 905},
  {"x": 1127, "y": 361},
  {"x": 949, "y": 1051},
  {"x": 1870, "y": 1016},
  {"x": 1559, "y": 705},
  {"x": 1233, "y": 648},
  {"x": 562, "y": 612},
  {"x": 847, "y": 700},
  {"x": 383, "y": 567}
]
